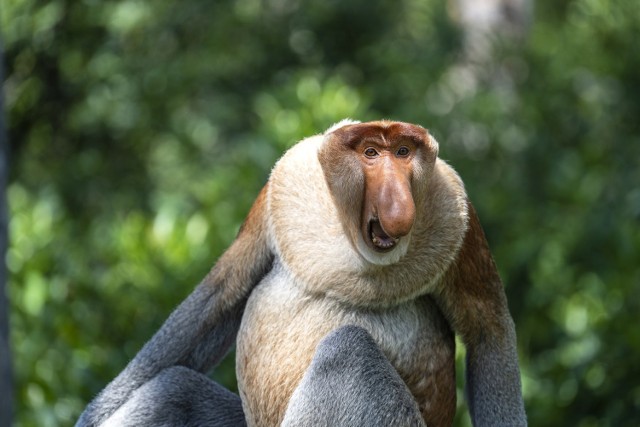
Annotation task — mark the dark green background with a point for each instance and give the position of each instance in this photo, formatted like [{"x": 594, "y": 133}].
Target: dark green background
[{"x": 141, "y": 132}]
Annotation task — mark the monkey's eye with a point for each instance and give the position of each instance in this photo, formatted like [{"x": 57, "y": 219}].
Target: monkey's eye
[
  {"x": 402, "y": 151},
  {"x": 370, "y": 152}
]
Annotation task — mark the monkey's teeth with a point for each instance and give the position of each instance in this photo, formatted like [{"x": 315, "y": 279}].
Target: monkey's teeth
[
  {"x": 382, "y": 244},
  {"x": 379, "y": 239}
]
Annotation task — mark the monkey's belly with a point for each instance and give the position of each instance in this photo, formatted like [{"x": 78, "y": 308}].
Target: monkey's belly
[{"x": 282, "y": 326}]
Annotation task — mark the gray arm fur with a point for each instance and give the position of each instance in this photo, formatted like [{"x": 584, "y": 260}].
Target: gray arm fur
[
  {"x": 493, "y": 383},
  {"x": 187, "y": 338},
  {"x": 200, "y": 331},
  {"x": 474, "y": 302}
]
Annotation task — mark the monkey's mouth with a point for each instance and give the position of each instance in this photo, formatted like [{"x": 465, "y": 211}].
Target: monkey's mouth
[{"x": 380, "y": 241}]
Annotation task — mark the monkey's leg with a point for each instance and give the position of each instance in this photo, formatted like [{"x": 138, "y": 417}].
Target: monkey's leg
[
  {"x": 179, "y": 396},
  {"x": 351, "y": 383}
]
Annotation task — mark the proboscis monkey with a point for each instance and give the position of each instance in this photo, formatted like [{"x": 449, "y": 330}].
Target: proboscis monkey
[{"x": 360, "y": 259}]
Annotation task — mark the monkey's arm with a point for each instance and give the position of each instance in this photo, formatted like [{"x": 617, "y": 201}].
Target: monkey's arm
[
  {"x": 473, "y": 300},
  {"x": 200, "y": 331}
]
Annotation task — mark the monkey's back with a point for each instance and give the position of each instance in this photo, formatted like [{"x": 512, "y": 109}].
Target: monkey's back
[{"x": 283, "y": 324}]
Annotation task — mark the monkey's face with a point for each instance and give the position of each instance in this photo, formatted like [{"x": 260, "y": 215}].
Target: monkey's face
[{"x": 377, "y": 173}]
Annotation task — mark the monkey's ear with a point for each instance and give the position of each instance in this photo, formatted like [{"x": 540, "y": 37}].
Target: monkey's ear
[{"x": 341, "y": 123}]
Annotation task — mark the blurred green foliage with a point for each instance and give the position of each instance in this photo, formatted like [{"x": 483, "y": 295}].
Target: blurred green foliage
[{"x": 142, "y": 131}]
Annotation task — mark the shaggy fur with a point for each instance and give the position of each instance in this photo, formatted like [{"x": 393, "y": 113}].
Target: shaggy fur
[{"x": 301, "y": 270}]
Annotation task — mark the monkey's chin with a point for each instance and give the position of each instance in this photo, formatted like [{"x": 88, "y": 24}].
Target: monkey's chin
[{"x": 388, "y": 257}]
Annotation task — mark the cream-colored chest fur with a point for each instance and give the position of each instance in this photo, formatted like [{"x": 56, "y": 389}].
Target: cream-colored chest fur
[{"x": 282, "y": 326}]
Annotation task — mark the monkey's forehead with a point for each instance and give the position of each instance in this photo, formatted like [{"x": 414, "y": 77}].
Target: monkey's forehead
[{"x": 385, "y": 131}]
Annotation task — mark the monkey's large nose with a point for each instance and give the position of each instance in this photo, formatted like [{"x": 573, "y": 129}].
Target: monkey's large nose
[{"x": 396, "y": 209}]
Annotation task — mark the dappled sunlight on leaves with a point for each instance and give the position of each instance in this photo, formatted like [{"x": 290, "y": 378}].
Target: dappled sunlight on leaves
[{"x": 141, "y": 134}]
